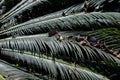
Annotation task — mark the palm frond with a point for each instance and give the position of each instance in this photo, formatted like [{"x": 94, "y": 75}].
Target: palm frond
[
  {"x": 92, "y": 4},
  {"x": 107, "y": 69},
  {"x": 30, "y": 3},
  {"x": 53, "y": 47},
  {"x": 10, "y": 72},
  {"x": 6, "y": 5},
  {"x": 73, "y": 22},
  {"x": 57, "y": 70},
  {"x": 14, "y": 8},
  {"x": 102, "y": 5},
  {"x": 71, "y": 10},
  {"x": 111, "y": 36},
  {"x": 25, "y": 4}
]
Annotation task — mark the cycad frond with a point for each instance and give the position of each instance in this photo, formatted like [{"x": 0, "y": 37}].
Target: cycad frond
[
  {"x": 14, "y": 8},
  {"x": 111, "y": 37},
  {"x": 102, "y": 5},
  {"x": 25, "y": 4},
  {"x": 56, "y": 48},
  {"x": 73, "y": 22},
  {"x": 28, "y": 4},
  {"x": 57, "y": 70},
  {"x": 10, "y": 72},
  {"x": 71, "y": 10}
]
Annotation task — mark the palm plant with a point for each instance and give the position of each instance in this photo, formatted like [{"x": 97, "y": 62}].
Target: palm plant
[{"x": 29, "y": 48}]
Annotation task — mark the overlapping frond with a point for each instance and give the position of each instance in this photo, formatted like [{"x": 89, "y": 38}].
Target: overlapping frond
[
  {"x": 6, "y": 5},
  {"x": 14, "y": 8},
  {"x": 110, "y": 36},
  {"x": 52, "y": 47},
  {"x": 73, "y": 22},
  {"x": 27, "y": 4},
  {"x": 72, "y": 39},
  {"x": 57, "y": 70},
  {"x": 10, "y": 72},
  {"x": 71, "y": 10},
  {"x": 102, "y": 5}
]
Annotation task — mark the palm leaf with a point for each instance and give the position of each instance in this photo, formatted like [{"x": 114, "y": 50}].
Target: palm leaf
[
  {"x": 111, "y": 36},
  {"x": 54, "y": 48},
  {"x": 8, "y": 4},
  {"x": 94, "y": 3},
  {"x": 25, "y": 4},
  {"x": 103, "y": 5},
  {"x": 73, "y": 22},
  {"x": 10, "y": 72},
  {"x": 58, "y": 70},
  {"x": 30, "y": 3},
  {"x": 14, "y": 8},
  {"x": 107, "y": 69},
  {"x": 71, "y": 10}
]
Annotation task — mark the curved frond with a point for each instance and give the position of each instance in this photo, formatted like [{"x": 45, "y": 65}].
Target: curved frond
[
  {"x": 6, "y": 5},
  {"x": 102, "y": 5},
  {"x": 71, "y": 10},
  {"x": 58, "y": 70},
  {"x": 10, "y": 72},
  {"x": 77, "y": 42},
  {"x": 110, "y": 36},
  {"x": 25, "y": 4},
  {"x": 22, "y": 2},
  {"x": 30, "y": 3},
  {"x": 72, "y": 22},
  {"x": 54, "y": 48}
]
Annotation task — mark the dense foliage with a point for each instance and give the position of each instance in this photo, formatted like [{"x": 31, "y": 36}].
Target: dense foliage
[{"x": 59, "y": 39}]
